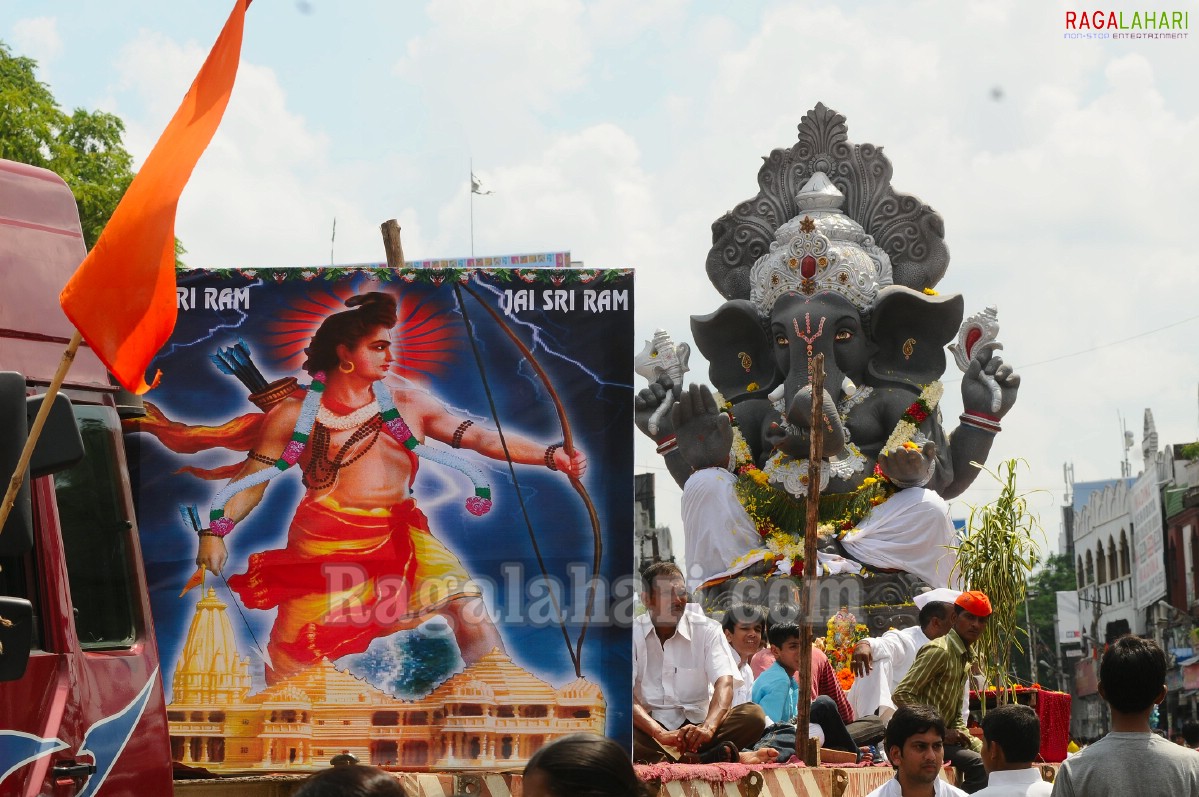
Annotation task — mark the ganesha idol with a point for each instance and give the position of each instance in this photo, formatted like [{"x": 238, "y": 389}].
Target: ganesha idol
[{"x": 826, "y": 259}]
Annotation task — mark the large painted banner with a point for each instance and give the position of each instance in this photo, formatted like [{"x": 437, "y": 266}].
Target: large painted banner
[{"x": 411, "y": 494}]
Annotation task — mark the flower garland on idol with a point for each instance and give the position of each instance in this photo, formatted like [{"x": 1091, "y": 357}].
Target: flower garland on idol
[
  {"x": 393, "y": 424},
  {"x": 776, "y": 513}
]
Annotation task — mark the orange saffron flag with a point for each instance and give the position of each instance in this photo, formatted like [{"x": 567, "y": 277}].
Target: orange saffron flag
[{"x": 122, "y": 296}]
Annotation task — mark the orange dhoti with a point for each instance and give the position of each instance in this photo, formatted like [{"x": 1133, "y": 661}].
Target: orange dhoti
[{"x": 347, "y": 577}]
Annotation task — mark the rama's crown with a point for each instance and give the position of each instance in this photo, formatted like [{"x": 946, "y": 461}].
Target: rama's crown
[{"x": 820, "y": 249}]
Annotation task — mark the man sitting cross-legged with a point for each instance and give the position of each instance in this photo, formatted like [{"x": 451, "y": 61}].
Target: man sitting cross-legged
[
  {"x": 683, "y": 682},
  {"x": 915, "y": 747},
  {"x": 1011, "y": 742}
]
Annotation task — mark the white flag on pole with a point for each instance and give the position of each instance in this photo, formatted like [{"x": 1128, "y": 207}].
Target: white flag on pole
[{"x": 476, "y": 186}]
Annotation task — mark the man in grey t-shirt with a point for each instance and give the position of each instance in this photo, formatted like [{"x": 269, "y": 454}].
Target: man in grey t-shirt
[{"x": 1131, "y": 759}]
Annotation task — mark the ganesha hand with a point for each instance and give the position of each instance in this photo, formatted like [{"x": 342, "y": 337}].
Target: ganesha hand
[
  {"x": 989, "y": 386},
  {"x": 649, "y": 401},
  {"x": 909, "y": 467},
  {"x": 704, "y": 433}
]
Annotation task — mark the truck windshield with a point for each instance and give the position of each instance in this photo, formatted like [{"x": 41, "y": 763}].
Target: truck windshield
[{"x": 96, "y": 535}]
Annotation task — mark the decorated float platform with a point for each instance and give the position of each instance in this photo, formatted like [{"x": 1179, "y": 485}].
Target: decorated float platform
[{"x": 664, "y": 780}]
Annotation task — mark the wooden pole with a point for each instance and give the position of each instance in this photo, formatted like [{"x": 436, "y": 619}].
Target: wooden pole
[
  {"x": 392, "y": 245},
  {"x": 807, "y": 594},
  {"x": 18, "y": 476}
]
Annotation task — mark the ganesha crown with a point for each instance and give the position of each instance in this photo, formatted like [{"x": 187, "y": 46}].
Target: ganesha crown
[{"x": 820, "y": 250}]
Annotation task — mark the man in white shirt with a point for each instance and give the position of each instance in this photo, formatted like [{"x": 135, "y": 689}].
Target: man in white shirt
[
  {"x": 880, "y": 663},
  {"x": 916, "y": 747},
  {"x": 684, "y": 679},
  {"x": 1011, "y": 742}
]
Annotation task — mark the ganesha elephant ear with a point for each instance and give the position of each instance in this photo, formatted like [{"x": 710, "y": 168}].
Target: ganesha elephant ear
[
  {"x": 910, "y": 330},
  {"x": 738, "y": 349}
]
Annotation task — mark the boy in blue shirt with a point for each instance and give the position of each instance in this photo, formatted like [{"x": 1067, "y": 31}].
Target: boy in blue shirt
[{"x": 777, "y": 692}]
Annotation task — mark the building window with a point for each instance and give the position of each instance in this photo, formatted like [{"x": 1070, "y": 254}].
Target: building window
[
  {"x": 1090, "y": 569},
  {"x": 1100, "y": 564},
  {"x": 1125, "y": 566}
]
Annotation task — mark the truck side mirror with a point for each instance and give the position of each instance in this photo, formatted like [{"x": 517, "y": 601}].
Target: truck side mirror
[
  {"x": 16, "y": 636},
  {"x": 16, "y": 538},
  {"x": 59, "y": 446}
]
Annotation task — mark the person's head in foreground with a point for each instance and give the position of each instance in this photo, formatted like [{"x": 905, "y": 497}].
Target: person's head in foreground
[
  {"x": 1132, "y": 678},
  {"x": 972, "y": 610},
  {"x": 1011, "y": 738},
  {"x": 582, "y": 765},
  {"x": 915, "y": 744},
  {"x": 351, "y": 780},
  {"x": 1190, "y": 733}
]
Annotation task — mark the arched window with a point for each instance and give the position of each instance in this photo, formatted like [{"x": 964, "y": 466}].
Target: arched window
[
  {"x": 1100, "y": 564},
  {"x": 1080, "y": 574},
  {"x": 1113, "y": 565},
  {"x": 1125, "y": 566},
  {"x": 1090, "y": 569}
]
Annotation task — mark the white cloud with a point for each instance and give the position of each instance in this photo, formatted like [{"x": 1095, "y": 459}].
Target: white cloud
[
  {"x": 489, "y": 59},
  {"x": 265, "y": 193},
  {"x": 1065, "y": 201},
  {"x": 37, "y": 38}
]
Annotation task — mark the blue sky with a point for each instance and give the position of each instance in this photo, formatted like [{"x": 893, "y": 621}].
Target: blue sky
[{"x": 620, "y": 130}]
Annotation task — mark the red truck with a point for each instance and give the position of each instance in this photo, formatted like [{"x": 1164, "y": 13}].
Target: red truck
[{"x": 81, "y": 698}]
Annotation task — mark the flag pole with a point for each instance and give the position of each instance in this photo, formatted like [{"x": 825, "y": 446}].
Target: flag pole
[
  {"x": 471, "y": 163},
  {"x": 35, "y": 431}
]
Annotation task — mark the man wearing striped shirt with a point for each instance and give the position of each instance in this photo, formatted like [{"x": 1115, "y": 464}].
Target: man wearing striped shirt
[{"x": 938, "y": 678}]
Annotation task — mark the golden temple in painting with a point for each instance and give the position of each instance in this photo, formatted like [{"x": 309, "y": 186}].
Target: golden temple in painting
[{"x": 493, "y": 715}]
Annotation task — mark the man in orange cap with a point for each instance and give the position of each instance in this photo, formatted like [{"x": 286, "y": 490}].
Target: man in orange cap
[{"x": 938, "y": 678}]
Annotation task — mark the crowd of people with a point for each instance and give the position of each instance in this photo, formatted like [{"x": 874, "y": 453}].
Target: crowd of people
[{"x": 706, "y": 691}]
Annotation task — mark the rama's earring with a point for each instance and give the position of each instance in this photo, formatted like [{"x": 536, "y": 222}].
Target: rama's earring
[{"x": 342, "y": 367}]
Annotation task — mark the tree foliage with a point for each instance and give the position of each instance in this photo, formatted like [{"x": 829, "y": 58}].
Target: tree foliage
[
  {"x": 83, "y": 147},
  {"x": 1056, "y": 575}
]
